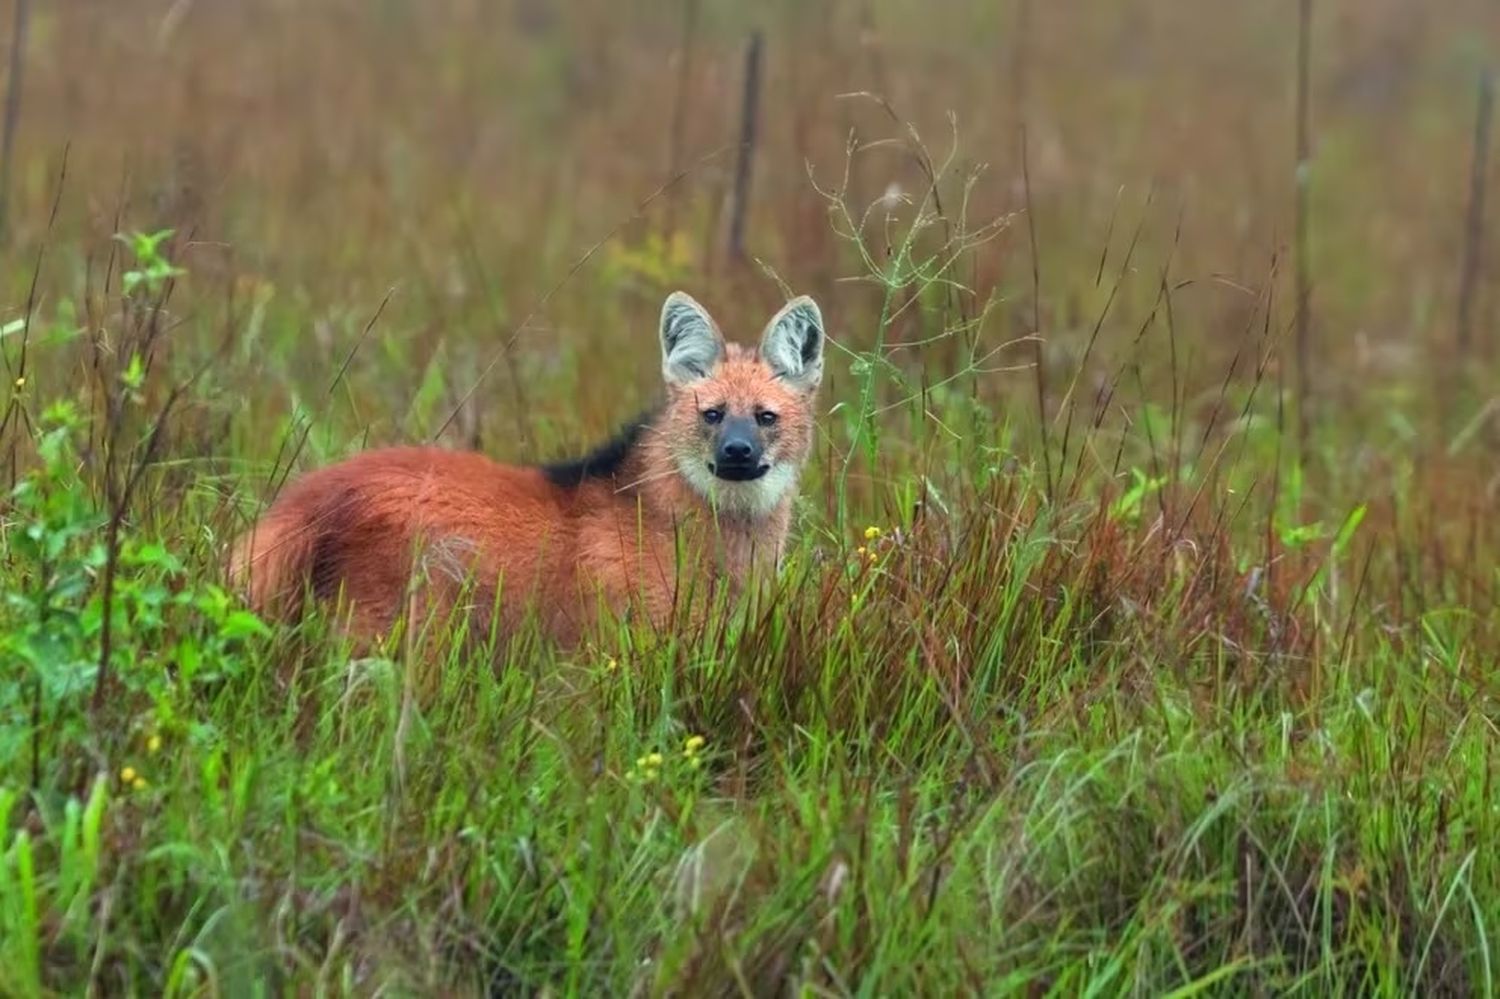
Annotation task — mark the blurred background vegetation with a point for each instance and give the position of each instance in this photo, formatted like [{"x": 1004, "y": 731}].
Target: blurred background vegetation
[{"x": 312, "y": 157}]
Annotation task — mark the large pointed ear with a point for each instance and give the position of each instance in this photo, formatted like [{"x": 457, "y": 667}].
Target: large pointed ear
[
  {"x": 690, "y": 341},
  {"x": 792, "y": 344}
]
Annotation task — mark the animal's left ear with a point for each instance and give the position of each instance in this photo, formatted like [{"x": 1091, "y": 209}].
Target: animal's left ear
[{"x": 792, "y": 345}]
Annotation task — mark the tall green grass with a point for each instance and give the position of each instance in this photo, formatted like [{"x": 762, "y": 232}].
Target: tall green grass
[{"x": 991, "y": 731}]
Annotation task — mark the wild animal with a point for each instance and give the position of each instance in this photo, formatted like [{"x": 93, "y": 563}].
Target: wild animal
[{"x": 690, "y": 497}]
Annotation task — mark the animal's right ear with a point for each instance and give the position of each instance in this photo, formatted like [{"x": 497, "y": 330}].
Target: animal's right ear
[{"x": 691, "y": 344}]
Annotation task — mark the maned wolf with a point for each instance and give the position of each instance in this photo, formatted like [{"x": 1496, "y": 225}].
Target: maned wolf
[{"x": 691, "y": 496}]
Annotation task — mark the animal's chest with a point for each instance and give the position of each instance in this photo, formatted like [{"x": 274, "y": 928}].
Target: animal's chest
[{"x": 665, "y": 561}]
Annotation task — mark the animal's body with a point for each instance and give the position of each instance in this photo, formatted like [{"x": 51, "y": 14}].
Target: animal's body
[{"x": 690, "y": 497}]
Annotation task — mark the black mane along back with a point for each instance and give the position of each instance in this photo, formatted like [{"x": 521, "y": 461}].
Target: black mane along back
[{"x": 605, "y": 461}]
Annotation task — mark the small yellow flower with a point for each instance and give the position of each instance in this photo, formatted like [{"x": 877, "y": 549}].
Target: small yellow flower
[
  {"x": 873, "y": 554},
  {"x": 693, "y": 744},
  {"x": 139, "y": 783},
  {"x": 21, "y": 382},
  {"x": 127, "y": 775},
  {"x": 611, "y": 664},
  {"x": 153, "y": 744},
  {"x": 647, "y": 768},
  {"x": 861, "y": 551},
  {"x": 872, "y": 532}
]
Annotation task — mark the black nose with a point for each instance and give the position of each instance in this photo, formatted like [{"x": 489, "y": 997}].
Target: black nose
[{"x": 737, "y": 450}]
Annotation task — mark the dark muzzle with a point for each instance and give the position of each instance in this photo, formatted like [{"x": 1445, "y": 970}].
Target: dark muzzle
[{"x": 737, "y": 455}]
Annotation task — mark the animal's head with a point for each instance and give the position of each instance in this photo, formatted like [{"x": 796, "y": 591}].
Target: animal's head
[{"x": 739, "y": 422}]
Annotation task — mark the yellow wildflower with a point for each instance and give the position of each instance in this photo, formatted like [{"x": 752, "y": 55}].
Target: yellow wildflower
[
  {"x": 872, "y": 532},
  {"x": 21, "y": 382},
  {"x": 861, "y": 551},
  {"x": 693, "y": 744},
  {"x": 611, "y": 664},
  {"x": 646, "y": 768},
  {"x": 139, "y": 783},
  {"x": 127, "y": 775},
  {"x": 153, "y": 744}
]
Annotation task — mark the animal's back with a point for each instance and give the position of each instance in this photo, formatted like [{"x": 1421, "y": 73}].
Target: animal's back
[{"x": 375, "y": 524}]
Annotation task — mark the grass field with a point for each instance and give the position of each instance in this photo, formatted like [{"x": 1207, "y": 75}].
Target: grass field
[{"x": 1117, "y": 651}]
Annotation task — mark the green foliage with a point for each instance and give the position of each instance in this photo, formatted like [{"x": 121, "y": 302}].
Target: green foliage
[
  {"x": 655, "y": 264},
  {"x": 63, "y": 891},
  {"x": 152, "y": 268},
  {"x": 172, "y": 632},
  {"x": 52, "y": 554}
]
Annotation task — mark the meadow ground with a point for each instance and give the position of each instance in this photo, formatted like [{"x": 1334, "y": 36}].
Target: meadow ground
[{"x": 1117, "y": 651}]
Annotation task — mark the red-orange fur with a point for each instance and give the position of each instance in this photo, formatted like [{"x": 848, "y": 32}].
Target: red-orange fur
[{"x": 439, "y": 531}]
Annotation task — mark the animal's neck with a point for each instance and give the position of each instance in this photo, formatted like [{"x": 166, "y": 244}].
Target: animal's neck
[{"x": 737, "y": 541}]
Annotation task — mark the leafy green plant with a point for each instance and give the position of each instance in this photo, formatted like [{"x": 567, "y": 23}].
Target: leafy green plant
[
  {"x": 53, "y": 555},
  {"x": 172, "y": 632},
  {"x": 152, "y": 269}
]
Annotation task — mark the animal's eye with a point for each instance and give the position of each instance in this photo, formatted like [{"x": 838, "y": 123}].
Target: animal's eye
[
  {"x": 765, "y": 417},
  {"x": 713, "y": 415}
]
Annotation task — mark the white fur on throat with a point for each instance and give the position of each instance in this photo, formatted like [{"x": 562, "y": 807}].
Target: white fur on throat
[{"x": 755, "y": 498}]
